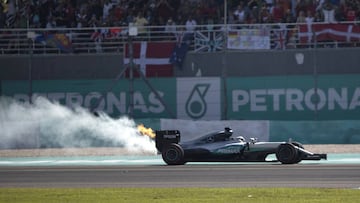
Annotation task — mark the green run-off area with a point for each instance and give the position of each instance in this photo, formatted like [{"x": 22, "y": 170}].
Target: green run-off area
[{"x": 268, "y": 195}]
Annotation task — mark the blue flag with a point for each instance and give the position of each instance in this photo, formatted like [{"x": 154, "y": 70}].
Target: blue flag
[{"x": 178, "y": 55}]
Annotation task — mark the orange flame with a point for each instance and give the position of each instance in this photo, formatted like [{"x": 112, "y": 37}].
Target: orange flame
[{"x": 146, "y": 131}]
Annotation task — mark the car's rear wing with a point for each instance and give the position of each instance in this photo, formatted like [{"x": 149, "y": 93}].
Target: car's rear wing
[{"x": 165, "y": 137}]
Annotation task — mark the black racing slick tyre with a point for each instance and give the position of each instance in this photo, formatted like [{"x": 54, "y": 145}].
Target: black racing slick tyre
[
  {"x": 299, "y": 156},
  {"x": 287, "y": 154},
  {"x": 173, "y": 154}
]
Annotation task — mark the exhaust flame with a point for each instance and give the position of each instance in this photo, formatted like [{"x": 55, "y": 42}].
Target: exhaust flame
[
  {"x": 146, "y": 131},
  {"x": 46, "y": 124}
]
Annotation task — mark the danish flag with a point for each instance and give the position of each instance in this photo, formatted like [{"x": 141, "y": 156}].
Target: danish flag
[
  {"x": 323, "y": 32},
  {"x": 152, "y": 58}
]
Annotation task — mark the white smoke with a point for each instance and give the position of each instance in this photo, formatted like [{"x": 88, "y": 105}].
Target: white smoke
[{"x": 44, "y": 123}]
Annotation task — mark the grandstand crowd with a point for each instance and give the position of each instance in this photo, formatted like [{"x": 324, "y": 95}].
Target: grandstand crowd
[{"x": 107, "y": 13}]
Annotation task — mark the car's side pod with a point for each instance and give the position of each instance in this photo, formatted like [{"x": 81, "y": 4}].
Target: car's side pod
[{"x": 166, "y": 137}]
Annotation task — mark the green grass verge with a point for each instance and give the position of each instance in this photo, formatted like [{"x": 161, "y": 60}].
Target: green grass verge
[{"x": 268, "y": 195}]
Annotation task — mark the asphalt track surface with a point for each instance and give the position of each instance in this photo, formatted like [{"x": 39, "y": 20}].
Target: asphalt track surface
[{"x": 190, "y": 175}]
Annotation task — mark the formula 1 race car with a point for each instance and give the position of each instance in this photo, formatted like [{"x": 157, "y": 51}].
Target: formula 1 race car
[{"x": 220, "y": 146}]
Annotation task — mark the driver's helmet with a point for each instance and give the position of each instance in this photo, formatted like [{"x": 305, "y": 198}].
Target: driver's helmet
[{"x": 240, "y": 139}]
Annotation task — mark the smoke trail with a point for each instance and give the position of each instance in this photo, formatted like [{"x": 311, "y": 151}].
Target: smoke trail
[{"x": 48, "y": 124}]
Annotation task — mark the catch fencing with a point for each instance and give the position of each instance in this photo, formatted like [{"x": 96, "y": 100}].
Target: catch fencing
[{"x": 205, "y": 38}]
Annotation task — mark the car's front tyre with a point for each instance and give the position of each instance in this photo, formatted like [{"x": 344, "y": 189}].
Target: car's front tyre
[
  {"x": 173, "y": 154},
  {"x": 287, "y": 154}
]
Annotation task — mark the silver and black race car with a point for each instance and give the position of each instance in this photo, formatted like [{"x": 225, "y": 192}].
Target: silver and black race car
[{"x": 221, "y": 146}]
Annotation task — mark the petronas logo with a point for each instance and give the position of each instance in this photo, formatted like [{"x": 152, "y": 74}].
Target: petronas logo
[{"x": 196, "y": 106}]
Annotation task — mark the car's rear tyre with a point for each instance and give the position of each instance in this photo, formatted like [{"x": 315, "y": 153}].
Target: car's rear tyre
[
  {"x": 287, "y": 154},
  {"x": 173, "y": 154}
]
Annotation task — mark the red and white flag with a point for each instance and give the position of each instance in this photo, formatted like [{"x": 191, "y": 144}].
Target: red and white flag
[
  {"x": 152, "y": 58},
  {"x": 325, "y": 32}
]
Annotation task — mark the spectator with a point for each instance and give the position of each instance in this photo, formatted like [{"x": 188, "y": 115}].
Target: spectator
[
  {"x": 301, "y": 6},
  {"x": 289, "y": 18},
  {"x": 151, "y": 5},
  {"x": 311, "y": 6},
  {"x": 209, "y": 10},
  {"x": 318, "y": 17},
  {"x": 94, "y": 22},
  {"x": 210, "y": 24},
  {"x": 264, "y": 16},
  {"x": 319, "y": 5},
  {"x": 21, "y": 20},
  {"x": 285, "y": 4},
  {"x": 349, "y": 12},
  {"x": 149, "y": 17},
  {"x": 301, "y": 18},
  {"x": 240, "y": 14},
  {"x": 35, "y": 19},
  {"x": 309, "y": 17},
  {"x": 253, "y": 4},
  {"x": 81, "y": 18},
  {"x": 269, "y": 3},
  {"x": 117, "y": 13},
  {"x": 60, "y": 16},
  {"x": 106, "y": 8},
  {"x": 185, "y": 9},
  {"x": 328, "y": 11},
  {"x": 11, "y": 13},
  {"x": 170, "y": 27},
  {"x": 231, "y": 19},
  {"x": 130, "y": 18},
  {"x": 66, "y": 13},
  {"x": 51, "y": 23},
  {"x": 45, "y": 8},
  {"x": 140, "y": 22},
  {"x": 95, "y": 8},
  {"x": 179, "y": 19},
  {"x": 278, "y": 12},
  {"x": 190, "y": 24},
  {"x": 2, "y": 17}
]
